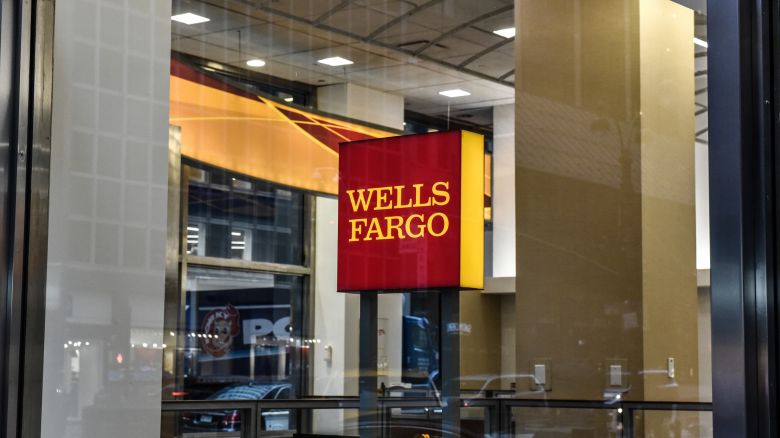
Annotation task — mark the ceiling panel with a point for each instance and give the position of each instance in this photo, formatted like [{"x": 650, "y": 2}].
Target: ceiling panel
[
  {"x": 447, "y": 14},
  {"x": 220, "y": 19},
  {"x": 291, "y": 42},
  {"x": 401, "y": 79},
  {"x": 406, "y": 39},
  {"x": 296, "y": 73},
  {"x": 358, "y": 20},
  {"x": 308, "y": 9},
  {"x": 393, "y": 8},
  {"x": 362, "y": 59},
  {"x": 204, "y": 50},
  {"x": 266, "y": 40},
  {"x": 501, "y": 21},
  {"x": 429, "y": 101},
  {"x": 494, "y": 63},
  {"x": 456, "y": 46}
]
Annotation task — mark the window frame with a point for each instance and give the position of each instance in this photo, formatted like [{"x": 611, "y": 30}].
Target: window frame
[{"x": 178, "y": 261}]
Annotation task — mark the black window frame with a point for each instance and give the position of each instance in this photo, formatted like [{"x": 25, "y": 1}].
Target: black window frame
[{"x": 743, "y": 120}]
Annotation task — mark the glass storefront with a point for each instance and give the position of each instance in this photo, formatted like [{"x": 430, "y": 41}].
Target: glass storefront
[
  {"x": 197, "y": 283},
  {"x": 595, "y": 125}
]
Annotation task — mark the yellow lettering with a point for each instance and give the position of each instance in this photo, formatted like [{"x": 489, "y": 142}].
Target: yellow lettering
[
  {"x": 417, "y": 202},
  {"x": 356, "y": 228},
  {"x": 382, "y": 198},
  {"x": 420, "y": 228},
  {"x": 445, "y": 224},
  {"x": 399, "y": 196},
  {"x": 445, "y": 194},
  {"x": 361, "y": 201},
  {"x": 394, "y": 223},
  {"x": 374, "y": 228}
]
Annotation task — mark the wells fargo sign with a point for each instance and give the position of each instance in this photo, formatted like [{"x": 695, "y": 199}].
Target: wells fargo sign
[{"x": 411, "y": 212}]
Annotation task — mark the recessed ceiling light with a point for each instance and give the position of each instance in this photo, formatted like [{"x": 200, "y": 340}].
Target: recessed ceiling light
[
  {"x": 288, "y": 99},
  {"x": 190, "y": 18},
  {"x": 508, "y": 32},
  {"x": 700, "y": 42},
  {"x": 335, "y": 61},
  {"x": 255, "y": 63},
  {"x": 457, "y": 92}
]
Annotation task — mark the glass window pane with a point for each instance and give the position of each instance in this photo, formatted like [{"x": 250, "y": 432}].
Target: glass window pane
[
  {"x": 240, "y": 340},
  {"x": 240, "y": 218}
]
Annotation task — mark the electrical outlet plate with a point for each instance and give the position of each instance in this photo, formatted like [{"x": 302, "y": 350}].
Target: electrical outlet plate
[
  {"x": 540, "y": 374},
  {"x": 616, "y": 374}
]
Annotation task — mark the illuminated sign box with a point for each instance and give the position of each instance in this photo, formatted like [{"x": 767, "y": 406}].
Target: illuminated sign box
[{"x": 411, "y": 213}]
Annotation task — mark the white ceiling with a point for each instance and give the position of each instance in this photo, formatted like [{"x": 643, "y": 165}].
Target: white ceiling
[{"x": 413, "y": 48}]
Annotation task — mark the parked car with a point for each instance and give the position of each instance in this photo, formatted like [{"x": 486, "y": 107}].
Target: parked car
[{"x": 229, "y": 420}]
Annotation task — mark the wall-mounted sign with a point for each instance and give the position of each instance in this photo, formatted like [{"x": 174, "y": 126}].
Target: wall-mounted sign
[{"x": 411, "y": 212}]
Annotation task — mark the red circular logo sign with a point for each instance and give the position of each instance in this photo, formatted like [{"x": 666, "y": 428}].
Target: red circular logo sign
[{"x": 219, "y": 328}]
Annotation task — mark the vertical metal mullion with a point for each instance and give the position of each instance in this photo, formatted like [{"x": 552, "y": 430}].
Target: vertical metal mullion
[
  {"x": 251, "y": 428},
  {"x": 18, "y": 191},
  {"x": 368, "y": 371},
  {"x": 449, "y": 337},
  {"x": 306, "y": 369},
  {"x": 7, "y": 43},
  {"x": 627, "y": 421},
  {"x": 308, "y": 299},
  {"x": 37, "y": 221},
  {"x": 181, "y": 341},
  {"x": 764, "y": 197},
  {"x": 741, "y": 213},
  {"x": 174, "y": 334}
]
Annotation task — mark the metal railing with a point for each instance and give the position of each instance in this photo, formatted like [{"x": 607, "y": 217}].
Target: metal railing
[{"x": 499, "y": 419}]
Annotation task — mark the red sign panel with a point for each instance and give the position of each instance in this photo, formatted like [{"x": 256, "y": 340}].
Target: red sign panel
[{"x": 410, "y": 212}]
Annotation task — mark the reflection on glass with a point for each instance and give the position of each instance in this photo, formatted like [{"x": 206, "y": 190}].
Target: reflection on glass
[
  {"x": 243, "y": 219},
  {"x": 566, "y": 423},
  {"x": 240, "y": 342},
  {"x": 595, "y": 210},
  {"x": 673, "y": 423},
  {"x": 216, "y": 423}
]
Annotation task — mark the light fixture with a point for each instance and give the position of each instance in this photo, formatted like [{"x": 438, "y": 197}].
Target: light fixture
[
  {"x": 189, "y": 18},
  {"x": 508, "y": 32},
  {"x": 255, "y": 63},
  {"x": 456, "y": 92},
  {"x": 700, "y": 42},
  {"x": 335, "y": 61},
  {"x": 288, "y": 99}
]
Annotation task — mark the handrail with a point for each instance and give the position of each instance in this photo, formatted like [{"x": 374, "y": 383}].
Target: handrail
[{"x": 498, "y": 416}]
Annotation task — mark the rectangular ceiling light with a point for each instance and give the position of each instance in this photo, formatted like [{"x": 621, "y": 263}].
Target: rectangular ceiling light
[
  {"x": 700, "y": 42},
  {"x": 189, "y": 18},
  {"x": 457, "y": 92},
  {"x": 335, "y": 61},
  {"x": 508, "y": 32}
]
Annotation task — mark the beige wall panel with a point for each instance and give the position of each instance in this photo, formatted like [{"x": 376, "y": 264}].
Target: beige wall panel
[
  {"x": 579, "y": 283},
  {"x": 670, "y": 301},
  {"x": 652, "y": 424},
  {"x": 480, "y": 351}
]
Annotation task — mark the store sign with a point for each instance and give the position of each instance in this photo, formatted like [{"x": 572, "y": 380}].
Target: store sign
[
  {"x": 218, "y": 329},
  {"x": 411, "y": 212}
]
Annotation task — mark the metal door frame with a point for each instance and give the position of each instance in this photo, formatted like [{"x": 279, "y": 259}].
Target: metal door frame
[{"x": 26, "y": 35}]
